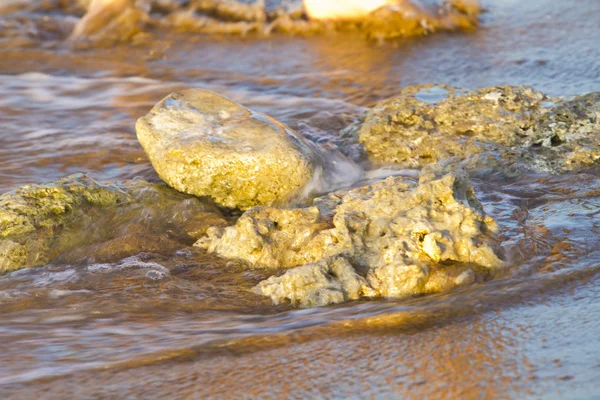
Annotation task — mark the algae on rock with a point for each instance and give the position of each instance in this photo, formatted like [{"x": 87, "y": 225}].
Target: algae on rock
[
  {"x": 404, "y": 237},
  {"x": 39, "y": 222},
  {"x": 29, "y": 216}
]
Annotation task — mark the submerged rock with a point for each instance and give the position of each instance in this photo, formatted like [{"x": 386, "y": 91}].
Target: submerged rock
[
  {"x": 207, "y": 145},
  {"x": 30, "y": 215},
  {"x": 502, "y": 128},
  {"x": 40, "y": 222},
  {"x": 404, "y": 237}
]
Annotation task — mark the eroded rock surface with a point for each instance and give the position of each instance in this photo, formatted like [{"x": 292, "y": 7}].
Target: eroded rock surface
[
  {"x": 205, "y": 144},
  {"x": 568, "y": 136},
  {"x": 404, "y": 237},
  {"x": 413, "y": 130},
  {"x": 328, "y": 281},
  {"x": 39, "y": 222},
  {"x": 501, "y": 128}
]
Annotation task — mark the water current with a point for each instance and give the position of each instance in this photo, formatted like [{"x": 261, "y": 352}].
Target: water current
[{"x": 173, "y": 321}]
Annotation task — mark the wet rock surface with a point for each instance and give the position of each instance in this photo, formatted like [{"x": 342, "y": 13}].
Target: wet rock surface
[
  {"x": 391, "y": 238},
  {"x": 569, "y": 134},
  {"x": 40, "y": 222},
  {"x": 328, "y": 281},
  {"x": 425, "y": 125},
  {"x": 207, "y": 145},
  {"x": 404, "y": 237},
  {"x": 505, "y": 129}
]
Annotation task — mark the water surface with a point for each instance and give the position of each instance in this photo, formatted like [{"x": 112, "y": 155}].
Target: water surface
[{"x": 181, "y": 323}]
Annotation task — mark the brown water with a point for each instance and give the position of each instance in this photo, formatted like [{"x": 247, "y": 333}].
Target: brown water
[{"x": 177, "y": 323}]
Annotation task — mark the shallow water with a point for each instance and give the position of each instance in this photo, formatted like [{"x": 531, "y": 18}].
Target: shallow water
[{"x": 179, "y": 322}]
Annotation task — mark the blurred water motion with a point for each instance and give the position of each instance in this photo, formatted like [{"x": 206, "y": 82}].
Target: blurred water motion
[{"x": 181, "y": 323}]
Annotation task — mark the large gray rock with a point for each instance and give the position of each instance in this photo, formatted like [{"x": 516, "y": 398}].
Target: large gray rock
[{"x": 205, "y": 144}]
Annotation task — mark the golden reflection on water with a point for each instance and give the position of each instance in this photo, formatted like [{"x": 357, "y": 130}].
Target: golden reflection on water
[{"x": 474, "y": 358}]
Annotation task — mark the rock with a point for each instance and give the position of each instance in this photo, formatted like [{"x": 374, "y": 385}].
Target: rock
[
  {"x": 400, "y": 280},
  {"x": 231, "y": 10},
  {"x": 207, "y": 145},
  {"x": 437, "y": 220},
  {"x": 29, "y": 216},
  {"x": 404, "y": 237},
  {"x": 34, "y": 207},
  {"x": 406, "y": 18},
  {"x": 568, "y": 136},
  {"x": 385, "y": 19},
  {"x": 329, "y": 281},
  {"x": 425, "y": 125},
  {"x": 507, "y": 130},
  {"x": 38, "y": 223},
  {"x": 273, "y": 238},
  {"x": 377, "y": 19}
]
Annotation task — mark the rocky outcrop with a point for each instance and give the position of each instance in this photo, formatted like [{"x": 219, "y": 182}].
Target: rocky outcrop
[
  {"x": 413, "y": 130},
  {"x": 504, "y": 128},
  {"x": 404, "y": 237},
  {"x": 40, "y": 222}
]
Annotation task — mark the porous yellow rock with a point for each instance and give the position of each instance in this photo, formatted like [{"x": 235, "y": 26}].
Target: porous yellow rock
[
  {"x": 412, "y": 131},
  {"x": 404, "y": 237},
  {"x": 328, "y": 281},
  {"x": 505, "y": 129}
]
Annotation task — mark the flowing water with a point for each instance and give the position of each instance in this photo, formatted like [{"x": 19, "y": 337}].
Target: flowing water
[{"x": 176, "y": 322}]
